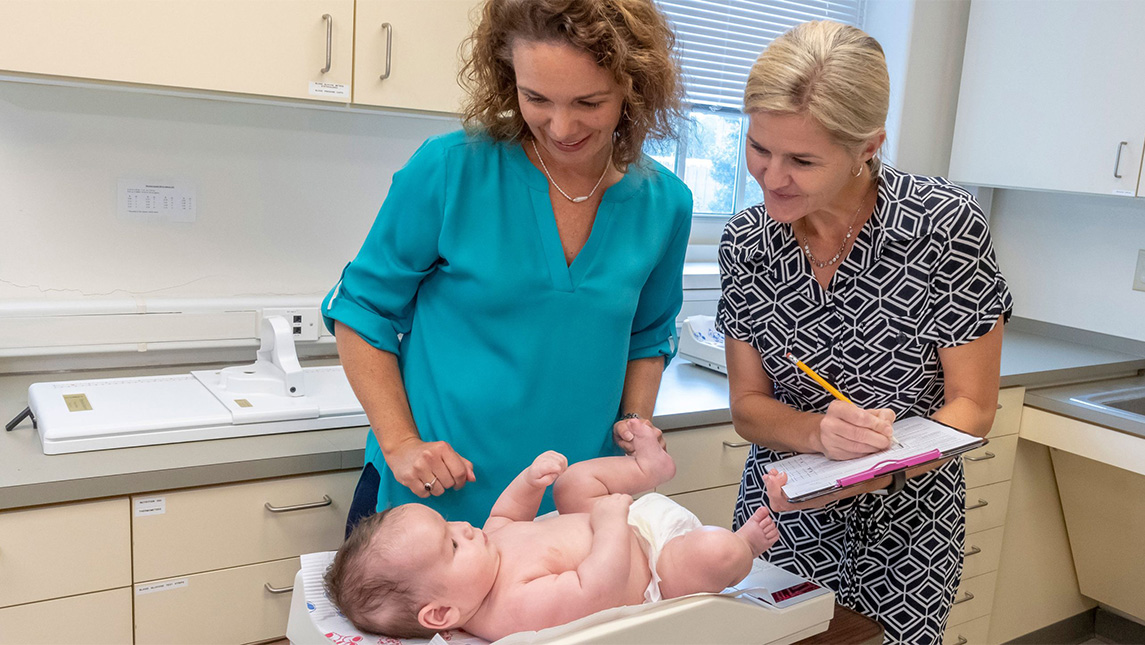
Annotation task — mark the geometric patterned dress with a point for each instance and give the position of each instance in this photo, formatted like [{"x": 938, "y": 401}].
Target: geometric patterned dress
[{"x": 921, "y": 275}]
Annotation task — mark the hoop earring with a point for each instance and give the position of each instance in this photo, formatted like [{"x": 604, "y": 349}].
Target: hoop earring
[{"x": 859, "y": 171}]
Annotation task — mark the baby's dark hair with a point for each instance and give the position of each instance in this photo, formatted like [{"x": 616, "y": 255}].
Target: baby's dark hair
[{"x": 358, "y": 585}]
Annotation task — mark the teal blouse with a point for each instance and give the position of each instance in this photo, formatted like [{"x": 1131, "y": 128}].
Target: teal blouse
[{"x": 505, "y": 350}]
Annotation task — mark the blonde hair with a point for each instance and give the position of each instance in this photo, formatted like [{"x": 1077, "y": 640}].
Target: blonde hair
[
  {"x": 834, "y": 72},
  {"x": 629, "y": 38}
]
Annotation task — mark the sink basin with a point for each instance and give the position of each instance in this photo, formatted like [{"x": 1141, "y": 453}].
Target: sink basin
[{"x": 1131, "y": 400}]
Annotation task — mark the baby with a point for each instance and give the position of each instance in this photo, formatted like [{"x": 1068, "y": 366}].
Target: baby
[{"x": 408, "y": 572}]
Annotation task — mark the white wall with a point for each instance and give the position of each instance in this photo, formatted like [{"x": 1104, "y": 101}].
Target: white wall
[
  {"x": 1070, "y": 258},
  {"x": 285, "y": 194},
  {"x": 923, "y": 41}
]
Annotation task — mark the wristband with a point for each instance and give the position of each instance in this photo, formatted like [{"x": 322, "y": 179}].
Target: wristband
[{"x": 627, "y": 415}]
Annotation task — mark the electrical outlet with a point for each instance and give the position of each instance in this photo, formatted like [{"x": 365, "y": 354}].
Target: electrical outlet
[
  {"x": 1139, "y": 275},
  {"x": 305, "y": 322}
]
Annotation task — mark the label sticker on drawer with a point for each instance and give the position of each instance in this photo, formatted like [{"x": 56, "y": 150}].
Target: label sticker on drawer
[
  {"x": 333, "y": 90},
  {"x": 150, "y": 506},
  {"x": 166, "y": 585}
]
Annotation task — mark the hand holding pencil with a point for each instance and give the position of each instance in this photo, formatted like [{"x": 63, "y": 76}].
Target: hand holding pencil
[{"x": 848, "y": 431}]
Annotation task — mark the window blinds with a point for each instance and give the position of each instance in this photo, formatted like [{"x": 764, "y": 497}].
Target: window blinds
[{"x": 719, "y": 40}]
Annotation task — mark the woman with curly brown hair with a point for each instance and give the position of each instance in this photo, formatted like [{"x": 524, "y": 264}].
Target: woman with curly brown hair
[{"x": 519, "y": 288}]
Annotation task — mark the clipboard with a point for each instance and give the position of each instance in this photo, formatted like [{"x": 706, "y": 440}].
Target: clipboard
[{"x": 923, "y": 441}]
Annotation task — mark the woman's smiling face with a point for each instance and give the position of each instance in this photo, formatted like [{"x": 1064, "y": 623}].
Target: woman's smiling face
[
  {"x": 797, "y": 163},
  {"x": 571, "y": 105}
]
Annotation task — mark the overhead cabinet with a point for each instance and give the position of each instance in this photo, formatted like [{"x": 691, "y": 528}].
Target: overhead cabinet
[
  {"x": 405, "y": 52},
  {"x": 1049, "y": 98}
]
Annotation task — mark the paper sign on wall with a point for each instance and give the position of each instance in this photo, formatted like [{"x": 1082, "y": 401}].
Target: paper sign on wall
[{"x": 172, "y": 201}]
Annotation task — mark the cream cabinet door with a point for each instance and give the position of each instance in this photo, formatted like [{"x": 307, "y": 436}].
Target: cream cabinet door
[
  {"x": 415, "y": 46},
  {"x": 91, "y": 619},
  {"x": 238, "y": 605},
  {"x": 1049, "y": 97},
  {"x": 225, "y": 526},
  {"x": 57, "y": 551},
  {"x": 270, "y": 47}
]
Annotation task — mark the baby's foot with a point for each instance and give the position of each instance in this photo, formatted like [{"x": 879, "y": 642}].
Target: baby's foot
[
  {"x": 653, "y": 460},
  {"x": 759, "y": 532}
]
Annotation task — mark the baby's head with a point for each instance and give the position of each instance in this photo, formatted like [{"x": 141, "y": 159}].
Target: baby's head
[{"x": 406, "y": 572}]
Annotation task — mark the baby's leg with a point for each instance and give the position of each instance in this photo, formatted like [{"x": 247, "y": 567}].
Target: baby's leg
[
  {"x": 712, "y": 558},
  {"x": 646, "y": 468}
]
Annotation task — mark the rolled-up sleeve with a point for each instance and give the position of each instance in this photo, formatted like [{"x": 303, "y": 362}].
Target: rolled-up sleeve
[
  {"x": 376, "y": 292},
  {"x": 968, "y": 292},
  {"x": 654, "y": 324}
]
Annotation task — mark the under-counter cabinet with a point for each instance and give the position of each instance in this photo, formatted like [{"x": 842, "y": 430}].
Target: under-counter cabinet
[
  {"x": 65, "y": 574},
  {"x": 709, "y": 463},
  {"x": 269, "y": 47},
  {"x": 406, "y": 52},
  {"x": 988, "y": 471},
  {"x": 1049, "y": 97},
  {"x": 216, "y": 564}
]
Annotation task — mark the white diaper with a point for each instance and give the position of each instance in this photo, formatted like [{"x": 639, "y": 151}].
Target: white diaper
[{"x": 657, "y": 520}]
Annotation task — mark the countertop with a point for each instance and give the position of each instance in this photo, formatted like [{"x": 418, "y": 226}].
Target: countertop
[{"x": 689, "y": 396}]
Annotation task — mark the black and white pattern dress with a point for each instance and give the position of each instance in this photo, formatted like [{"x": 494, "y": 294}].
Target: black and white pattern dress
[{"x": 921, "y": 275}]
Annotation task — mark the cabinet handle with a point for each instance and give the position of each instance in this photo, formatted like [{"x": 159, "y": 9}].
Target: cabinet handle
[
  {"x": 329, "y": 38},
  {"x": 973, "y": 550},
  {"x": 278, "y": 589},
  {"x": 966, "y": 597},
  {"x": 999, "y": 406},
  {"x": 389, "y": 44},
  {"x": 326, "y": 501},
  {"x": 1117, "y": 164},
  {"x": 988, "y": 455},
  {"x": 961, "y": 640},
  {"x": 980, "y": 504},
  {"x": 736, "y": 444}
]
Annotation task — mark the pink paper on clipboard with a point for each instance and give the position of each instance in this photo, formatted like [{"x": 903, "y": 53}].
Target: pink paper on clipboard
[{"x": 889, "y": 466}]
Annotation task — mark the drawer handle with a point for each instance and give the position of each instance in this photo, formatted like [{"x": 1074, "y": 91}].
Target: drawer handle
[
  {"x": 389, "y": 46},
  {"x": 989, "y": 455},
  {"x": 329, "y": 38},
  {"x": 326, "y": 501},
  {"x": 973, "y": 550},
  {"x": 980, "y": 504},
  {"x": 736, "y": 444},
  {"x": 961, "y": 640},
  {"x": 278, "y": 589},
  {"x": 966, "y": 598}
]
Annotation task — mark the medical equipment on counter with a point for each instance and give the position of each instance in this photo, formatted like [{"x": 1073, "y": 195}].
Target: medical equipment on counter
[
  {"x": 801, "y": 609},
  {"x": 702, "y": 343},
  {"x": 273, "y": 395}
]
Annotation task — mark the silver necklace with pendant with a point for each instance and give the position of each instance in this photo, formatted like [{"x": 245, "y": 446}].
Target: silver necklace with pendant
[
  {"x": 839, "y": 253},
  {"x": 575, "y": 200}
]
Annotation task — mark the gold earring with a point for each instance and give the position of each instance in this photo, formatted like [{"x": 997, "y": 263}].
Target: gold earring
[{"x": 859, "y": 171}]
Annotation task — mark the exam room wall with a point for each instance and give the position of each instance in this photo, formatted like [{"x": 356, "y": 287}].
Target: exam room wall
[
  {"x": 1069, "y": 258},
  {"x": 285, "y": 194}
]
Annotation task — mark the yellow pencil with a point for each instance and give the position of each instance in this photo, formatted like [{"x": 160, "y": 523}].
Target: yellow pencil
[{"x": 826, "y": 386}]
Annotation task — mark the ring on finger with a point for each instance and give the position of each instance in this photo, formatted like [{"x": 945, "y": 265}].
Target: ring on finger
[{"x": 429, "y": 484}]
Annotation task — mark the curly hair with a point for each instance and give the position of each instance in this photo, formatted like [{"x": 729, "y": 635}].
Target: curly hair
[
  {"x": 358, "y": 586},
  {"x": 629, "y": 38}
]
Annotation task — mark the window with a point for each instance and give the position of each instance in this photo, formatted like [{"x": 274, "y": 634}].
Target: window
[{"x": 718, "y": 41}]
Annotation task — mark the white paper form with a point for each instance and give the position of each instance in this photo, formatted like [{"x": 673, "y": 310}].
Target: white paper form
[{"x": 811, "y": 473}]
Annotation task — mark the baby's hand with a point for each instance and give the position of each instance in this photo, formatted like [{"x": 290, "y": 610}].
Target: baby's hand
[
  {"x": 611, "y": 506},
  {"x": 546, "y": 468}
]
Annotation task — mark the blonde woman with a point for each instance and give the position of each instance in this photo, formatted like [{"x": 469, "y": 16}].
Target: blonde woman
[
  {"x": 531, "y": 263},
  {"x": 886, "y": 284}
]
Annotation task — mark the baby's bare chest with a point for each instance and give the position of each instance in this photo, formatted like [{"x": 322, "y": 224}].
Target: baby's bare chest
[{"x": 554, "y": 545}]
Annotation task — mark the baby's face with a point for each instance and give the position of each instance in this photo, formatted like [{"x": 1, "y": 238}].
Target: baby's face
[{"x": 456, "y": 560}]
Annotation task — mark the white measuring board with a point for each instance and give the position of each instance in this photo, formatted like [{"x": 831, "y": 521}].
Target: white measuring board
[{"x": 77, "y": 416}]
